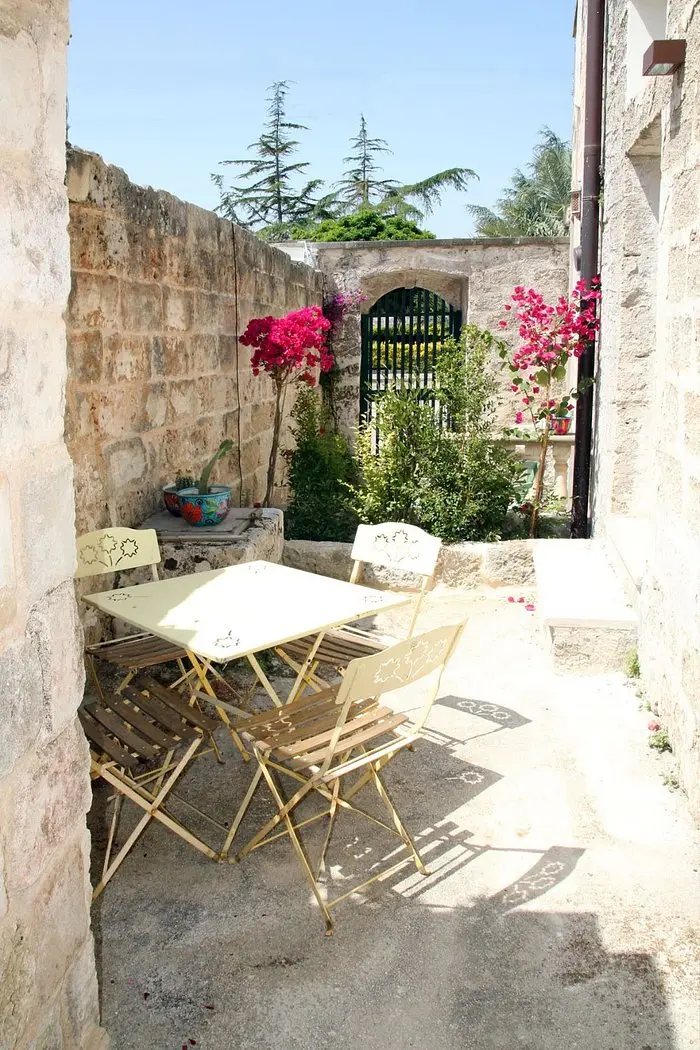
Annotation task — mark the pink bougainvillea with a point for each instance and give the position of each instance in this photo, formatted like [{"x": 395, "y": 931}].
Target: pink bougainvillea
[
  {"x": 548, "y": 335},
  {"x": 287, "y": 348},
  {"x": 290, "y": 346}
]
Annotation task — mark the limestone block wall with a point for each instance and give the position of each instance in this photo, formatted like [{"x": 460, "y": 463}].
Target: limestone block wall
[
  {"x": 476, "y": 276},
  {"x": 48, "y": 986},
  {"x": 160, "y": 292},
  {"x": 648, "y": 393}
]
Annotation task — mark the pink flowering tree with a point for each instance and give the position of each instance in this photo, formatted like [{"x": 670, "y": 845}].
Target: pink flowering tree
[
  {"x": 289, "y": 349},
  {"x": 548, "y": 335}
]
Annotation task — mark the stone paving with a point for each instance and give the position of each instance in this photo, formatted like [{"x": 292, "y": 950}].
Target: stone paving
[{"x": 562, "y": 909}]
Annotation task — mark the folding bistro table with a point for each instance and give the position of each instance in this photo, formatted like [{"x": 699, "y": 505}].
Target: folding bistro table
[{"x": 227, "y": 614}]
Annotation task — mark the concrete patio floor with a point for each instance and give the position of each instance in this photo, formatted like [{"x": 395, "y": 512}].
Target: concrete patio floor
[{"x": 562, "y": 910}]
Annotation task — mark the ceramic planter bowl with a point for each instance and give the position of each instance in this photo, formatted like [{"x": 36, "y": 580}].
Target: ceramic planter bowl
[
  {"x": 205, "y": 510},
  {"x": 171, "y": 500}
]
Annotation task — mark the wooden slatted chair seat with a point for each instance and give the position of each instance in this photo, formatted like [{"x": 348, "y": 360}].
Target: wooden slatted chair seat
[
  {"x": 135, "y": 736},
  {"x": 137, "y": 651},
  {"x": 338, "y": 647},
  {"x": 300, "y": 733}
]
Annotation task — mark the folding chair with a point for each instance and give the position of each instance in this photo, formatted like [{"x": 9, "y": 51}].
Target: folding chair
[
  {"x": 134, "y": 737},
  {"x": 320, "y": 739},
  {"x": 403, "y": 548},
  {"x": 114, "y": 550}
]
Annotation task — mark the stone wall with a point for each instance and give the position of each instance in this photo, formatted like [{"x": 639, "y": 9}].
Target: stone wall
[
  {"x": 475, "y": 276},
  {"x": 161, "y": 290},
  {"x": 647, "y": 456},
  {"x": 48, "y": 987}
]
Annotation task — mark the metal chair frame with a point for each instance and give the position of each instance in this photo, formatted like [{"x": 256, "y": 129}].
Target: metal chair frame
[
  {"x": 322, "y": 738},
  {"x": 392, "y": 545}
]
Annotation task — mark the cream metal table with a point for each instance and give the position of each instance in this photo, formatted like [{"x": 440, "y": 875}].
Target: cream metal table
[
  {"x": 236, "y": 612},
  {"x": 226, "y": 614}
]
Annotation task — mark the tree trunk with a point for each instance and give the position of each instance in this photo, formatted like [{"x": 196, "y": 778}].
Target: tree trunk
[
  {"x": 276, "y": 427},
  {"x": 539, "y": 483}
]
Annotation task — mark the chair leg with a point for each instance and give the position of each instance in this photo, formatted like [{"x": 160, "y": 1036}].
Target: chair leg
[
  {"x": 202, "y": 676},
  {"x": 257, "y": 840},
  {"x": 112, "y": 831},
  {"x": 109, "y": 872},
  {"x": 95, "y": 678},
  {"x": 398, "y": 823},
  {"x": 284, "y": 808},
  {"x": 332, "y": 815},
  {"x": 131, "y": 673},
  {"x": 242, "y": 809},
  {"x": 151, "y": 803}
]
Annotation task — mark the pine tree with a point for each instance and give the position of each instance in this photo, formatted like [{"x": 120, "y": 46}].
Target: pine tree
[
  {"x": 266, "y": 200},
  {"x": 359, "y": 188}
]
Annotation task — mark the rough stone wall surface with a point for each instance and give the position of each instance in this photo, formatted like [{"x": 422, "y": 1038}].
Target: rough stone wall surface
[
  {"x": 48, "y": 985},
  {"x": 160, "y": 291},
  {"x": 648, "y": 393},
  {"x": 476, "y": 276}
]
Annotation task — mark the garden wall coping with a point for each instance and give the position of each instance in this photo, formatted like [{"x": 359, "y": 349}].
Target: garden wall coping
[{"x": 470, "y": 565}]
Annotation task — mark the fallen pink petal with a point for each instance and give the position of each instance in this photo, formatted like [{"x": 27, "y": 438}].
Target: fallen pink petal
[{"x": 530, "y": 607}]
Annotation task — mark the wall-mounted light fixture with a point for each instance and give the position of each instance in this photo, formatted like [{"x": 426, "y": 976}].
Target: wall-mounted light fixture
[{"x": 663, "y": 57}]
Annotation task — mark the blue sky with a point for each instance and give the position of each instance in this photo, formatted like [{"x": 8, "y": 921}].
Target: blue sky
[{"x": 168, "y": 88}]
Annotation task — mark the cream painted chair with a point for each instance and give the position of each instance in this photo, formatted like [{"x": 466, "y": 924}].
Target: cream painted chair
[
  {"x": 117, "y": 550},
  {"x": 346, "y": 731},
  {"x": 141, "y": 742},
  {"x": 394, "y": 546}
]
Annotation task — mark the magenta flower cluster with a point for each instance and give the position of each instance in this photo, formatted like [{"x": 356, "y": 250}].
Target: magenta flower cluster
[
  {"x": 548, "y": 336},
  {"x": 337, "y": 307},
  {"x": 282, "y": 346}
]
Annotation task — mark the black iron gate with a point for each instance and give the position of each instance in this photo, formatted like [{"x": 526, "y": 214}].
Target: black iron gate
[{"x": 401, "y": 339}]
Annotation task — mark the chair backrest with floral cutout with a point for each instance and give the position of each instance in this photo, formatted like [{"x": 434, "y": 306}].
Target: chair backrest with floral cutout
[{"x": 114, "y": 550}]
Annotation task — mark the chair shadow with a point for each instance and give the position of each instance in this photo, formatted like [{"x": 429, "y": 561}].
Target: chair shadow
[{"x": 502, "y": 717}]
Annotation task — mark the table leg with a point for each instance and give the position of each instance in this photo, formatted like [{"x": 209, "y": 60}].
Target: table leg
[
  {"x": 301, "y": 676},
  {"x": 223, "y": 715},
  {"x": 263, "y": 679}
]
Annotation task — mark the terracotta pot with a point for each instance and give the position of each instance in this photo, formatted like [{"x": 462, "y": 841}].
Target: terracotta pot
[
  {"x": 560, "y": 425},
  {"x": 171, "y": 500}
]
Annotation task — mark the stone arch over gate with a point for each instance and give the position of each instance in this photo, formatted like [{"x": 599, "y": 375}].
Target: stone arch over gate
[
  {"x": 402, "y": 335},
  {"x": 452, "y": 288}
]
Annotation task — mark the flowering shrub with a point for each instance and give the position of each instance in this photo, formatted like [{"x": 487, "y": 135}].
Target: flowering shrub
[
  {"x": 321, "y": 470},
  {"x": 548, "y": 336},
  {"x": 336, "y": 308},
  {"x": 456, "y": 484},
  {"x": 283, "y": 345},
  {"x": 287, "y": 348}
]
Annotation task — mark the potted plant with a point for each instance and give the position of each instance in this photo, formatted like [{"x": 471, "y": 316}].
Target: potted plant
[
  {"x": 170, "y": 493},
  {"x": 287, "y": 349},
  {"x": 560, "y": 419},
  {"x": 204, "y": 504},
  {"x": 549, "y": 335}
]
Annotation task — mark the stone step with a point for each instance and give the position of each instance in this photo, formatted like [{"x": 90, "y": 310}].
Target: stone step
[
  {"x": 585, "y": 613},
  {"x": 627, "y": 545}
]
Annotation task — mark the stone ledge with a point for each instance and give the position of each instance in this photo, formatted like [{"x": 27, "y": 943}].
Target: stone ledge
[
  {"x": 464, "y": 565},
  {"x": 205, "y": 549}
]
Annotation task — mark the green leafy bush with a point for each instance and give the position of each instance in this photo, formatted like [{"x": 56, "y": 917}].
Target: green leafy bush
[
  {"x": 436, "y": 465},
  {"x": 321, "y": 471},
  {"x": 365, "y": 225}
]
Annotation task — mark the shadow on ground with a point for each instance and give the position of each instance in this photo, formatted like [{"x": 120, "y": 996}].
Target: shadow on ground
[{"x": 193, "y": 953}]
